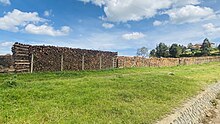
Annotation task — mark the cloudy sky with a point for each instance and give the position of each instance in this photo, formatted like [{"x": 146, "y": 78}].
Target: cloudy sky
[{"x": 115, "y": 25}]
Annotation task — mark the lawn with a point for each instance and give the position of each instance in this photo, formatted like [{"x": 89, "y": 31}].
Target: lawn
[{"x": 132, "y": 95}]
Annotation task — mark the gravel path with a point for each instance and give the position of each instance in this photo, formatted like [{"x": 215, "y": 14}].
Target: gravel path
[{"x": 205, "y": 105}]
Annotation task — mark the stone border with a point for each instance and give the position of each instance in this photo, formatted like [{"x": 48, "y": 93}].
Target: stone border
[{"x": 195, "y": 109}]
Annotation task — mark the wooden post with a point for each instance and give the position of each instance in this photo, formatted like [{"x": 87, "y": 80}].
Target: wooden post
[
  {"x": 83, "y": 62},
  {"x": 124, "y": 61},
  {"x": 100, "y": 62},
  {"x": 113, "y": 62},
  {"x": 32, "y": 62},
  {"x": 61, "y": 64}
]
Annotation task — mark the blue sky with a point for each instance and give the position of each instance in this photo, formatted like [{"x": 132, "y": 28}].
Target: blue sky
[{"x": 113, "y": 25}]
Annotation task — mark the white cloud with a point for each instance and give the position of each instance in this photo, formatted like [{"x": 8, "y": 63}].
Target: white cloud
[
  {"x": 47, "y": 30},
  {"x": 131, "y": 10},
  {"x": 12, "y": 21},
  {"x": 136, "y": 10},
  {"x": 5, "y": 47},
  {"x": 211, "y": 28},
  {"x": 157, "y": 23},
  {"x": 96, "y": 2},
  {"x": 16, "y": 21},
  {"x": 107, "y": 25},
  {"x": 48, "y": 13},
  {"x": 5, "y": 2},
  {"x": 190, "y": 14},
  {"x": 179, "y": 3},
  {"x": 6, "y": 44},
  {"x": 133, "y": 36}
]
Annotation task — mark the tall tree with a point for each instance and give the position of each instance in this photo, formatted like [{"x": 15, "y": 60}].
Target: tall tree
[
  {"x": 184, "y": 48},
  {"x": 143, "y": 51},
  {"x": 175, "y": 50},
  {"x": 153, "y": 53},
  {"x": 189, "y": 46},
  {"x": 162, "y": 50},
  {"x": 206, "y": 47}
]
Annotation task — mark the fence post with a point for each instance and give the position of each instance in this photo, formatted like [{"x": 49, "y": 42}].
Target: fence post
[
  {"x": 113, "y": 62},
  {"x": 123, "y": 63},
  {"x": 32, "y": 62},
  {"x": 61, "y": 68},
  {"x": 100, "y": 62},
  {"x": 83, "y": 62}
]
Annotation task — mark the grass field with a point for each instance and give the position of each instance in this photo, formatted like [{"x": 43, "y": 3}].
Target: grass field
[{"x": 133, "y": 95}]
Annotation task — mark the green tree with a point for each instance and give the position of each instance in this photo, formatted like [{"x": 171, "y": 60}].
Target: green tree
[
  {"x": 206, "y": 47},
  {"x": 143, "y": 51},
  {"x": 153, "y": 53},
  {"x": 190, "y": 46},
  {"x": 175, "y": 50},
  {"x": 162, "y": 50},
  {"x": 184, "y": 48}
]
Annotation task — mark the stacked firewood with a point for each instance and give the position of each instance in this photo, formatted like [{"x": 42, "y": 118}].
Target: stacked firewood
[
  {"x": 51, "y": 58},
  {"x": 21, "y": 56},
  {"x": 6, "y": 63}
]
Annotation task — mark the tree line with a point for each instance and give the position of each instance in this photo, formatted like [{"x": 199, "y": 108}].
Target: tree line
[{"x": 176, "y": 50}]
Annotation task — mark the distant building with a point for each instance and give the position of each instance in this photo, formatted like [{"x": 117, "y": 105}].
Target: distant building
[
  {"x": 197, "y": 46},
  {"x": 212, "y": 45}
]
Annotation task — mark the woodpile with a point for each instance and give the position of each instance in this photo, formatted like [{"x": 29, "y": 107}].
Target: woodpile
[
  {"x": 6, "y": 63},
  {"x": 51, "y": 58},
  {"x": 27, "y": 58},
  {"x": 21, "y": 56}
]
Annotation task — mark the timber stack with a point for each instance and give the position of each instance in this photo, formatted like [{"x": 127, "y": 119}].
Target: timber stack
[
  {"x": 51, "y": 58},
  {"x": 29, "y": 58},
  {"x": 21, "y": 56}
]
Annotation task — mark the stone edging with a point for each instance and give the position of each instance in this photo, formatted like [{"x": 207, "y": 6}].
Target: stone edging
[{"x": 194, "y": 110}]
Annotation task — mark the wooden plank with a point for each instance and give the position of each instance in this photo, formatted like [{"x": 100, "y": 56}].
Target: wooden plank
[
  {"x": 20, "y": 48},
  {"x": 21, "y": 60},
  {"x": 21, "y": 67},
  {"x": 61, "y": 63},
  {"x": 23, "y": 46},
  {"x": 21, "y": 57},
  {"x": 22, "y": 63},
  {"x": 21, "y": 54},
  {"x": 32, "y": 63},
  {"x": 22, "y": 70}
]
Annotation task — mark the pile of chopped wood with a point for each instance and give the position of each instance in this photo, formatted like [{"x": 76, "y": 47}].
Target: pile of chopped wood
[
  {"x": 21, "y": 56},
  {"x": 6, "y": 63},
  {"x": 51, "y": 58}
]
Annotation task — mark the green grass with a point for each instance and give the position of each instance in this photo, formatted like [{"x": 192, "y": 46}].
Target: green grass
[{"x": 133, "y": 95}]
